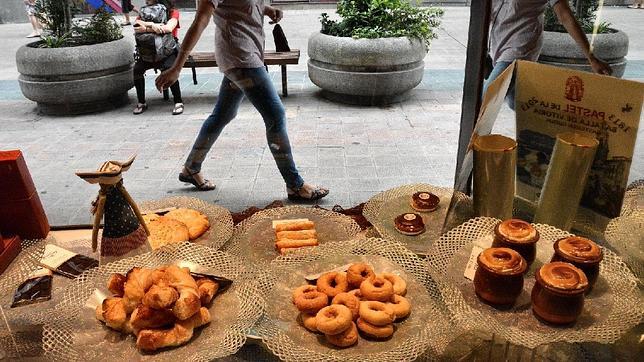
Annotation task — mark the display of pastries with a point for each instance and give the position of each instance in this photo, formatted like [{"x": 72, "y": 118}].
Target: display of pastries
[
  {"x": 409, "y": 224},
  {"x": 517, "y": 235},
  {"x": 424, "y": 201},
  {"x": 582, "y": 253},
  {"x": 293, "y": 234},
  {"x": 176, "y": 225},
  {"x": 499, "y": 277},
  {"x": 558, "y": 292},
  {"x": 162, "y": 307},
  {"x": 342, "y": 310}
]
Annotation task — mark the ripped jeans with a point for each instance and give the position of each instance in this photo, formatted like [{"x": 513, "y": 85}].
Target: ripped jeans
[{"x": 255, "y": 84}]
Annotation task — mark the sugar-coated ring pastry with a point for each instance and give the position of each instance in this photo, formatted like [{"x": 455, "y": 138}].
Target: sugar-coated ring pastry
[
  {"x": 377, "y": 313},
  {"x": 332, "y": 284},
  {"x": 303, "y": 289},
  {"x": 356, "y": 293},
  {"x": 308, "y": 321},
  {"x": 345, "y": 339},
  {"x": 357, "y": 273},
  {"x": 333, "y": 319},
  {"x": 377, "y": 332},
  {"x": 400, "y": 306},
  {"x": 311, "y": 302},
  {"x": 350, "y": 301},
  {"x": 398, "y": 283},
  {"x": 377, "y": 288}
]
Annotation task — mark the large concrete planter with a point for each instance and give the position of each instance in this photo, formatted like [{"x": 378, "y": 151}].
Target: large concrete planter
[
  {"x": 75, "y": 80},
  {"x": 560, "y": 49},
  {"x": 365, "y": 71}
]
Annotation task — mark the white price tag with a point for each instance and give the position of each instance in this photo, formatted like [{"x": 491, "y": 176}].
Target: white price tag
[
  {"x": 477, "y": 247},
  {"x": 54, "y": 256}
]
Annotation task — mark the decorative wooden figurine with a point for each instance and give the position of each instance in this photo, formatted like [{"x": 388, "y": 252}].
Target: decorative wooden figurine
[{"x": 124, "y": 231}]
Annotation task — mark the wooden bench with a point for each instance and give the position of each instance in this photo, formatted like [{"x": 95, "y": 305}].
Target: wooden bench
[{"x": 207, "y": 59}]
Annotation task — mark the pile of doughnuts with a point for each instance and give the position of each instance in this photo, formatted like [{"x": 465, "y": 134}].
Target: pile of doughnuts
[
  {"x": 177, "y": 225},
  {"x": 161, "y": 307},
  {"x": 343, "y": 305},
  {"x": 294, "y": 234}
]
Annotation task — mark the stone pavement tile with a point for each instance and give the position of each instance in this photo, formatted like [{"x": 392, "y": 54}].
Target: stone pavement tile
[
  {"x": 361, "y": 172},
  {"x": 359, "y": 197},
  {"x": 351, "y": 161},
  {"x": 331, "y": 172}
]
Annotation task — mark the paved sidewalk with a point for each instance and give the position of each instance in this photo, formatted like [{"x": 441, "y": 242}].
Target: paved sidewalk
[{"x": 355, "y": 151}]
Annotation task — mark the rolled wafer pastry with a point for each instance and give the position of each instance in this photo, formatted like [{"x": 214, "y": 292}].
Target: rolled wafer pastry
[
  {"x": 283, "y": 251},
  {"x": 290, "y": 243},
  {"x": 295, "y": 225},
  {"x": 300, "y": 234}
]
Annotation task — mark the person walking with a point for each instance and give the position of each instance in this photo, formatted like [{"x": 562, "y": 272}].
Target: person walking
[
  {"x": 126, "y": 8},
  {"x": 239, "y": 51},
  {"x": 516, "y": 32},
  {"x": 637, "y": 4},
  {"x": 146, "y": 23},
  {"x": 30, "y": 8}
]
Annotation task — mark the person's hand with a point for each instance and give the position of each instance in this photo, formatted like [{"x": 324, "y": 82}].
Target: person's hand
[
  {"x": 274, "y": 14},
  {"x": 599, "y": 66},
  {"x": 167, "y": 78},
  {"x": 157, "y": 28}
]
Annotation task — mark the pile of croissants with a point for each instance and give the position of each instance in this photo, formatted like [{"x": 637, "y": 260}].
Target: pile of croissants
[{"x": 161, "y": 307}]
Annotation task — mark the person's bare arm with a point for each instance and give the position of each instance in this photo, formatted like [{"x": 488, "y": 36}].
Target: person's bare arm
[
  {"x": 567, "y": 19},
  {"x": 274, "y": 14},
  {"x": 204, "y": 13}
]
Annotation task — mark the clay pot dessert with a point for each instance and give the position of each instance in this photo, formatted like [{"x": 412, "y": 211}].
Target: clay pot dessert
[
  {"x": 582, "y": 253},
  {"x": 424, "y": 201},
  {"x": 517, "y": 235},
  {"x": 499, "y": 277},
  {"x": 558, "y": 293},
  {"x": 409, "y": 224}
]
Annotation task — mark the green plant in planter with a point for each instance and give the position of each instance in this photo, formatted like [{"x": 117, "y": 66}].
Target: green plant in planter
[
  {"x": 56, "y": 17},
  {"x": 585, "y": 13},
  {"x": 382, "y": 19}
]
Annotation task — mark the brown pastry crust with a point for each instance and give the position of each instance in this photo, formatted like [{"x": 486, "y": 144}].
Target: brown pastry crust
[
  {"x": 409, "y": 224},
  {"x": 562, "y": 276},
  {"x": 578, "y": 249},
  {"x": 503, "y": 261},
  {"x": 517, "y": 231},
  {"x": 196, "y": 222},
  {"x": 165, "y": 230},
  {"x": 424, "y": 201}
]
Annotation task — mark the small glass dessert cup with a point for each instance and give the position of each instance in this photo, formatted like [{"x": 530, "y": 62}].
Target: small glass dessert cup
[
  {"x": 582, "y": 253},
  {"x": 409, "y": 224},
  {"x": 558, "y": 293},
  {"x": 424, "y": 201},
  {"x": 519, "y": 236},
  {"x": 499, "y": 277}
]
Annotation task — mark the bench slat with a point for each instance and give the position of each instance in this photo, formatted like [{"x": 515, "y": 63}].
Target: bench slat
[{"x": 207, "y": 59}]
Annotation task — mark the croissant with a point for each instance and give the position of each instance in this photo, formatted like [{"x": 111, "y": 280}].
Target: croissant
[
  {"x": 112, "y": 312},
  {"x": 207, "y": 290},
  {"x": 116, "y": 284},
  {"x": 145, "y": 317},
  {"x": 160, "y": 297},
  {"x": 137, "y": 283},
  {"x": 181, "y": 333},
  {"x": 189, "y": 300}
]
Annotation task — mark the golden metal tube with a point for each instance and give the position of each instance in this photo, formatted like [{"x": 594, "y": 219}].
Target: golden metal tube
[{"x": 495, "y": 162}]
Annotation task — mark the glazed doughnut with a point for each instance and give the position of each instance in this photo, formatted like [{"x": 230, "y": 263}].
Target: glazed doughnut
[
  {"x": 303, "y": 289},
  {"x": 350, "y": 301},
  {"x": 398, "y": 283},
  {"x": 308, "y": 321},
  {"x": 345, "y": 339},
  {"x": 377, "y": 313},
  {"x": 356, "y": 293},
  {"x": 332, "y": 284},
  {"x": 377, "y": 288},
  {"x": 333, "y": 319},
  {"x": 377, "y": 332},
  {"x": 400, "y": 305},
  {"x": 311, "y": 302},
  {"x": 357, "y": 273}
]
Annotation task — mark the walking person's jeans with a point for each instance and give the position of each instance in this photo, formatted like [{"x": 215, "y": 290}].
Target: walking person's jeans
[
  {"x": 255, "y": 84},
  {"x": 496, "y": 71}
]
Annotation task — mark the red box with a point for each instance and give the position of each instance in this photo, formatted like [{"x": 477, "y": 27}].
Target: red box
[
  {"x": 21, "y": 211},
  {"x": 11, "y": 249}
]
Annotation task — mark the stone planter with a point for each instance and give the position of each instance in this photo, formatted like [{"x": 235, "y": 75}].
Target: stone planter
[
  {"x": 75, "y": 80},
  {"x": 560, "y": 49},
  {"x": 365, "y": 71}
]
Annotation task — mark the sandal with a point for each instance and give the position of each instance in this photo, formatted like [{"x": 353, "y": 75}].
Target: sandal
[
  {"x": 178, "y": 109},
  {"x": 140, "y": 108},
  {"x": 297, "y": 194},
  {"x": 206, "y": 185}
]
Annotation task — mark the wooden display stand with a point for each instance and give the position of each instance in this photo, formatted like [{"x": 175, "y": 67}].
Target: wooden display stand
[{"x": 9, "y": 249}]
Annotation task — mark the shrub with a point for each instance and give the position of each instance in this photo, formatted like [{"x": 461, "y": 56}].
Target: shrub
[
  {"x": 585, "y": 13},
  {"x": 382, "y": 19}
]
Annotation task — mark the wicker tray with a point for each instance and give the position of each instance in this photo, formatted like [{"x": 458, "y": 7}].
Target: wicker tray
[
  {"x": 75, "y": 334},
  {"x": 254, "y": 238},
  {"x": 426, "y": 328},
  {"x": 611, "y": 309}
]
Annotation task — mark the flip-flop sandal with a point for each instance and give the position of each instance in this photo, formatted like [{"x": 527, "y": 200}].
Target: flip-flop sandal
[
  {"x": 140, "y": 108},
  {"x": 178, "y": 109},
  {"x": 206, "y": 185},
  {"x": 318, "y": 193}
]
